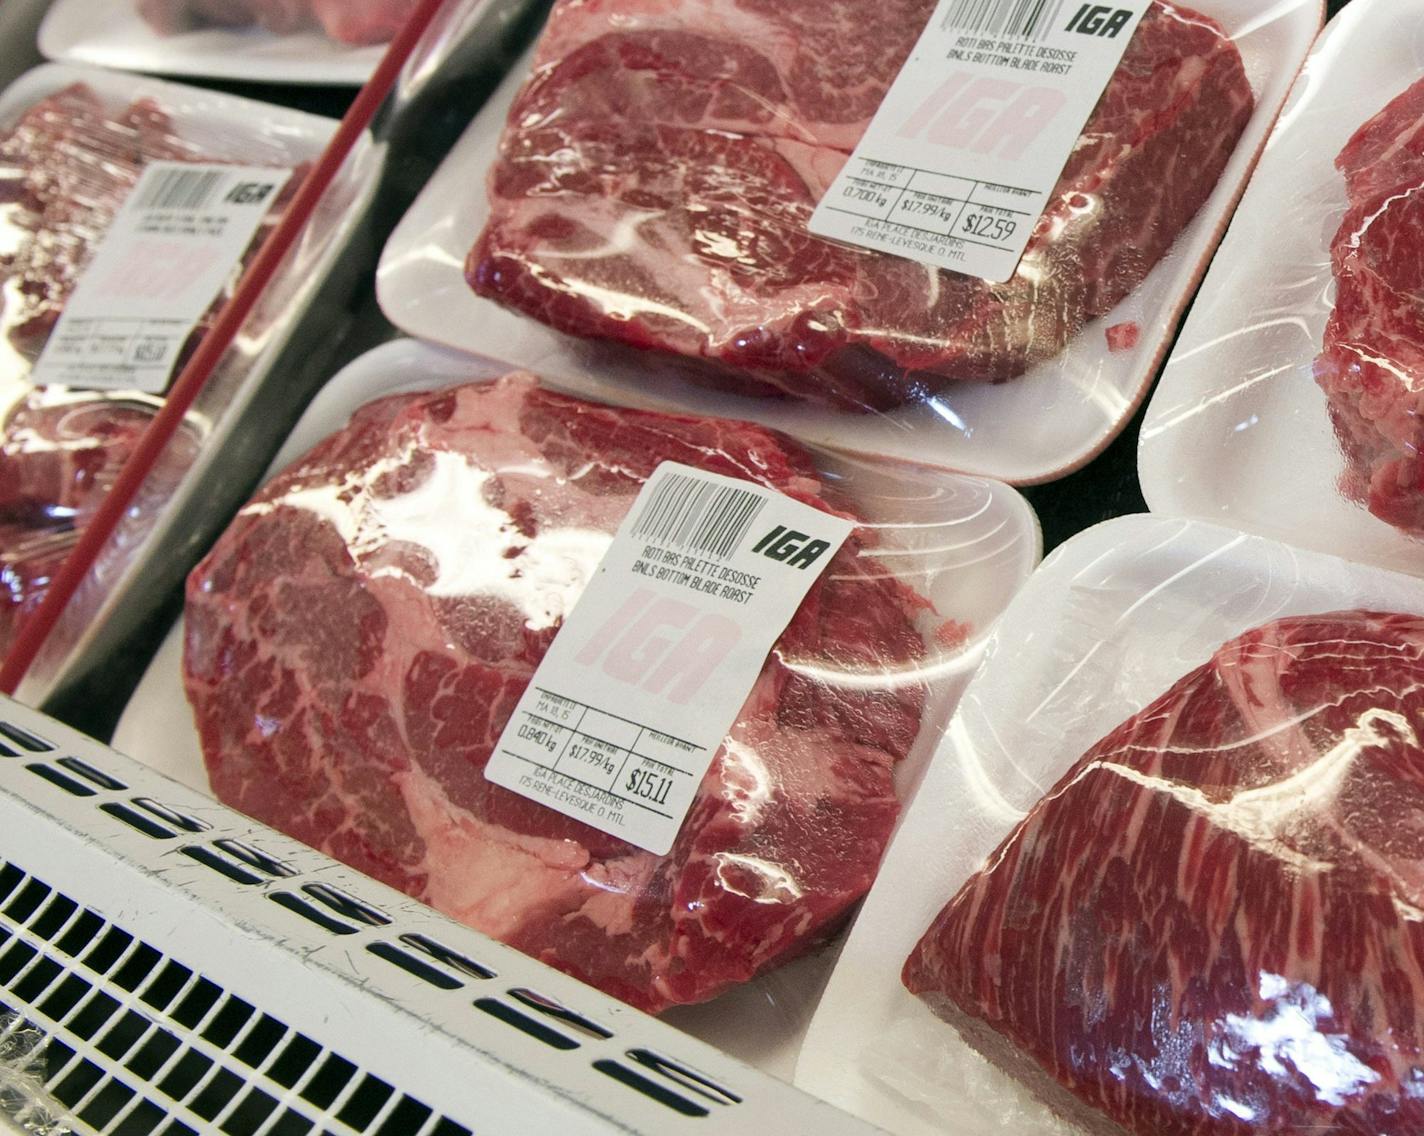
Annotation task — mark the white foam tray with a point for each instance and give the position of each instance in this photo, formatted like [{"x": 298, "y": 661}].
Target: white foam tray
[
  {"x": 1238, "y": 431},
  {"x": 1036, "y": 428},
  {"x": 1109, "y": 622},
  {"x": 983, "y": 536},
  {"x": 110, "y": 33}
]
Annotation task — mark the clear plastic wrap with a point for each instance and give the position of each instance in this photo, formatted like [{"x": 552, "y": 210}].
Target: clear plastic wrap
[
  {"x": 71, "y": 152},
  {"x": 696, "y": 250},
  {"x": 417, "y": 566},
  {"x": 628, "y": 127},
  {"x": 1225, "y": 919},
  {"x": 26, "y": 1109},
  {"x": 1305, "y": 350},
  {"x": 1209, "y": 923},
  {"x": 869, "y": 670}
]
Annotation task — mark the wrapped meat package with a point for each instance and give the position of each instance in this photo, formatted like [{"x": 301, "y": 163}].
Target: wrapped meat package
[
  {"x": 347, "y": 21},
  {"x": 1161, "y": 878},
  {"x": 1306, "y": 345},
  {"x": 70, "y": 158},
  {"x": 1211, "y": 924},
  {"x": 1373, "y": 357},
  {"x": 651, "y": 171},
  {"x": 659, "y": 169},
  {"x": 358, "y": 639}
]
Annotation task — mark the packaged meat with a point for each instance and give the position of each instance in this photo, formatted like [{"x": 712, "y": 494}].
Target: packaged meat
[
  {"x": 1222, "y": 901},
  {"x": 1179, "y": 912},
  {"x": 388, "y": 659},
  {"x": 661, "y": 220},
  {"x": 77, "y": 140},
  {"x": 1373, "y": 353},
  {"x": 959, "y": 544},
  {"x": 69, "y": 161},
  {"x": 963, "y": 544},
  {"x": 346, "y": 21},
  {"x": 1306, "y": 345},
  {"x": 628, "y": 128}
]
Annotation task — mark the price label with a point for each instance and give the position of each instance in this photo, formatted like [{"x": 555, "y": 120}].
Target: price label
[
  {"x": 176, "y": 242},
  {"x": 962, "y": 157},
  {"x": 650, "y": 670}
]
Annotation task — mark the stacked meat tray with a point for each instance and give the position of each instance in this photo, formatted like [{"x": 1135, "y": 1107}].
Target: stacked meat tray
[
  {"x": 656, "y": 590},
  {"x": 76, "y": 142}
]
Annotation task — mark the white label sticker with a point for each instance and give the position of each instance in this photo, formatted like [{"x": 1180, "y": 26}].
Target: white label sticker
[
  {"x": 174, "y": 244},
  {"x": 959, "y": 162},
  {"x": 650, "y": 669}
]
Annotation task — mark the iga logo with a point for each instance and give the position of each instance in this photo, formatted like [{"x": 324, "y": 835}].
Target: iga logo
[
  {"x": 984, "y": 115},
  {"x": 1099, "y": 20},
  {"x": 792, "y": 548},
  {"x": 249, "y": 193},
  {"x": 662, "y": 645}
]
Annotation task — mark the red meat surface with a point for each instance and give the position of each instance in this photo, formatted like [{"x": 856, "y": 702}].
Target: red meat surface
[
  {"x": 66, "y": 167},
  {"x": 1211, "y": 925},
  {"x": 659, "y": 169},
  {"x": 1372, "y": 364},
  {"x": 357, "y": 640}
]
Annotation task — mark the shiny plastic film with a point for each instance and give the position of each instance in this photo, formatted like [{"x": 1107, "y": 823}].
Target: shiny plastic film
[
  {"x": 73, "y": 148},
  {"x": 652, "y": 169},
  {"x": 705, "y": 251},
  {"x": 1164, "y": 861},
  {"x": 1220, "y": 883},
  {"x": 1315, "y": 349},
  {"x": 26, "y": 1109},
  {"x": 356, "y": 642},
  {"x": 345, "y": 21}
]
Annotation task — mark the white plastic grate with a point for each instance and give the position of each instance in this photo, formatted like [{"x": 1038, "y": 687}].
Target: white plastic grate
[
  {"x": 136, "y": 1039},
  {"x": 194, "y": 972}
]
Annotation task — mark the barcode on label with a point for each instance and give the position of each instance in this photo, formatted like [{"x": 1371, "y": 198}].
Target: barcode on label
[
  {"x": 181, "y": 189},
  {"x": 1023, "y": 19},
  {"x": 702, "y": 516}
]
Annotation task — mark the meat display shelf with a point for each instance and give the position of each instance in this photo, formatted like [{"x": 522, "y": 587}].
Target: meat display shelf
[{"x": 189, "y": 970}]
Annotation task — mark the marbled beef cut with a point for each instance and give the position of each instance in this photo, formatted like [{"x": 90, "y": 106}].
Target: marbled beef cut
[
  {"x": 1372, "y": 365},
  {"x": 357, "y": 640},
  {"x": 659, "y": 169},
  {"x": 1213, "y": 925},
  {"x": 347, "y": 21}
]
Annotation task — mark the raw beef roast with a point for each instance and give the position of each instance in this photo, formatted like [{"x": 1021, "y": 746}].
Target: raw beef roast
[
  {"x": 359, "y": 637},
  {"x": 348, "y": 21},
  {"x": 66, "y": 167},
  {"x": 1372, "y": 366},
  {"x": 659, "y": 169},
  {"x": 1212, "y": 926}
]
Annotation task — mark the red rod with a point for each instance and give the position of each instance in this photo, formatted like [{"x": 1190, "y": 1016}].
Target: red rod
[{"x": 229, "y": 322}]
